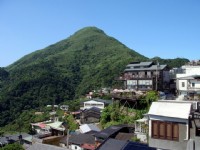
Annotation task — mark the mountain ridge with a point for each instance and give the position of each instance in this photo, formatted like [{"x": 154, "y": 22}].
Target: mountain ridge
[{"x": 88, "y": 59}]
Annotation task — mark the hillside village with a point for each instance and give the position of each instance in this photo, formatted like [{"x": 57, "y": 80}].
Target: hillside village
[{"x": 159, "y": 109}]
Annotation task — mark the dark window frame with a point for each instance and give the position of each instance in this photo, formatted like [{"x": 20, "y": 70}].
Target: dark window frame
[{"x": 170, "y": 130}]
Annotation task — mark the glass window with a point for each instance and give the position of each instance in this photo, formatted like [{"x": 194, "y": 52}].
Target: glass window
[
  {"x": 193, "y": 84},
  {"x": 183, "y": 84}
]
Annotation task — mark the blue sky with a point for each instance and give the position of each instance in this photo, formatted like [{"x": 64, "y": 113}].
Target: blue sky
[{"x": 164, "y": 28}]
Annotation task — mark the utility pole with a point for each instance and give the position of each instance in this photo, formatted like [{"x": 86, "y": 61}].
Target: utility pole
[
  {"x": 67, "y": 138},
  {"x": 156, "y": 75}
]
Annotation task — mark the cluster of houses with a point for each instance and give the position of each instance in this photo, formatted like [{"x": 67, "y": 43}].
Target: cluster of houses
[{"x": 171, "y": 122}]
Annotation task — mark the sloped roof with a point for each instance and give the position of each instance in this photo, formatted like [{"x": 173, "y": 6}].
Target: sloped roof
[
  {"x": 170, "y": 109},
  {"x": 98, "y": 100},
  {"x": 40, "y": 146},
  {"x": 140, "y": 64},
  {"x": 108, "y": 132},
  {"x": 153, "y": 67},
  {"x": 124, "y": 136},
  {"x": 88, "y": 127},
  {"x": 56, "y": 125},
  {"x": 82, "y": 139},
  {"x": 137, "y": 146},
  {"x": 112, "y": 144}
]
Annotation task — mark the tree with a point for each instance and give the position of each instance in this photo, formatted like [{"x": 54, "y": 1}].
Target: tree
[
  {"x": 15, "y": 146},
  {"x": 150, "y": 97},
  {"x": 71, "y": 122}
]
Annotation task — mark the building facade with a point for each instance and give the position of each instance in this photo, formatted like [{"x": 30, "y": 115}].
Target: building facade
[
  {"x": 188, "y": 81},
  {"x": 146, "y": 76},
  {"x": 174, "y": 125}
]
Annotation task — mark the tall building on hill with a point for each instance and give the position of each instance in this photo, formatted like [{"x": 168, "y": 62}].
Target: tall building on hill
[{"x": 146, "y": 76}]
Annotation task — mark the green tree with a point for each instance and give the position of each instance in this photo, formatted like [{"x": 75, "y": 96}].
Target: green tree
[
  {"x": 15, "y": 146},
  {"x": 150, "y": 97},
  {"x": 71, "y": 122}
]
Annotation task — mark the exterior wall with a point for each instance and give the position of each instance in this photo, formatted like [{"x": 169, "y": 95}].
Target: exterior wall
[
  {"x": 189, "y": 70},
  {"x": 166, "y": 76},
  {"x": 172, "y": 145},
  {"x": 181, "y": 144},
  {"x": 180, "y": 85},
  {"x": 90, "y": 120},
  {"x": 197, "y": 84},
  {"x": 193, "y": 136},
  {"x": 188, "y": 86},
  {"x": 90, "y": 104}
]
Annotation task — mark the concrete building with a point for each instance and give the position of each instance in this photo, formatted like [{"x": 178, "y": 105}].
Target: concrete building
[
  {"x": 174, "y": 125},
  {"x": 98, "y": 103},
  {"x": 188, "y": 81}
]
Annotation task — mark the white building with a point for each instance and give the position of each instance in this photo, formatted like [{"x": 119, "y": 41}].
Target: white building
[
  {"x": 98, "y": 103},
  {"x": 188, "y": 81},
  {"x": 174, "y": 125}
]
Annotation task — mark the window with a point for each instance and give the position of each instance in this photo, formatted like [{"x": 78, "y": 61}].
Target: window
[
  {"x": 183, "y": 84},
  {"x": 193, "y": 84},
  {"x": 165, "y": 130}
]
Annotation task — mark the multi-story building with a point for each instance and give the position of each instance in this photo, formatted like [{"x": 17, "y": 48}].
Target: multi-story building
[
  {"x": 188, "y": 81},
  {"x": 146, "y": 76}
]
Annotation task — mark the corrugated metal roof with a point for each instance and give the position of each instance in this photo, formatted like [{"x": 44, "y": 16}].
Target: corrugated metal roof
[
  {"x": 171, "y": 109},
  {"x": 56, "y": 125},
  {"x": 88, "y": 127}
]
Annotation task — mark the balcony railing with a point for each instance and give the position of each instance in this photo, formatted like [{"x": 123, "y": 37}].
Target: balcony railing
[
  {"x": 193, "y": 88},
  {"x": 137, "y": 77}
]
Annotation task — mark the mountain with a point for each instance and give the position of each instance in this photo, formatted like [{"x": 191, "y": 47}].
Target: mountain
[{"x": 87, "y": 60}]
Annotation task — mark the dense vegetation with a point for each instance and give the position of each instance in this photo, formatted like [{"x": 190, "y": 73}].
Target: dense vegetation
[
  {"x": 87, "y": 60},
  {"x": 172, "y": 63},
  {"x": 15, "y": 146},
  {"x": 115, "y": 113}
]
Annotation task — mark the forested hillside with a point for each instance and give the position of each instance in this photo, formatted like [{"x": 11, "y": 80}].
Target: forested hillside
[{"x": 87, "y": 60}]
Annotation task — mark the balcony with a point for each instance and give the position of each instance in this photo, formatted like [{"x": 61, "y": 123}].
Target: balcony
[
  {"x": 193, "y": 88},
  {"x": 133, "y": 77}
]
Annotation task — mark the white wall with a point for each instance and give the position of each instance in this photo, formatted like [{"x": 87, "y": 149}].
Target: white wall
[
  {"x": 90, "y": 104},
  {"x": 189, "y": 70},
  {"x": 75, "y": 147}
]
